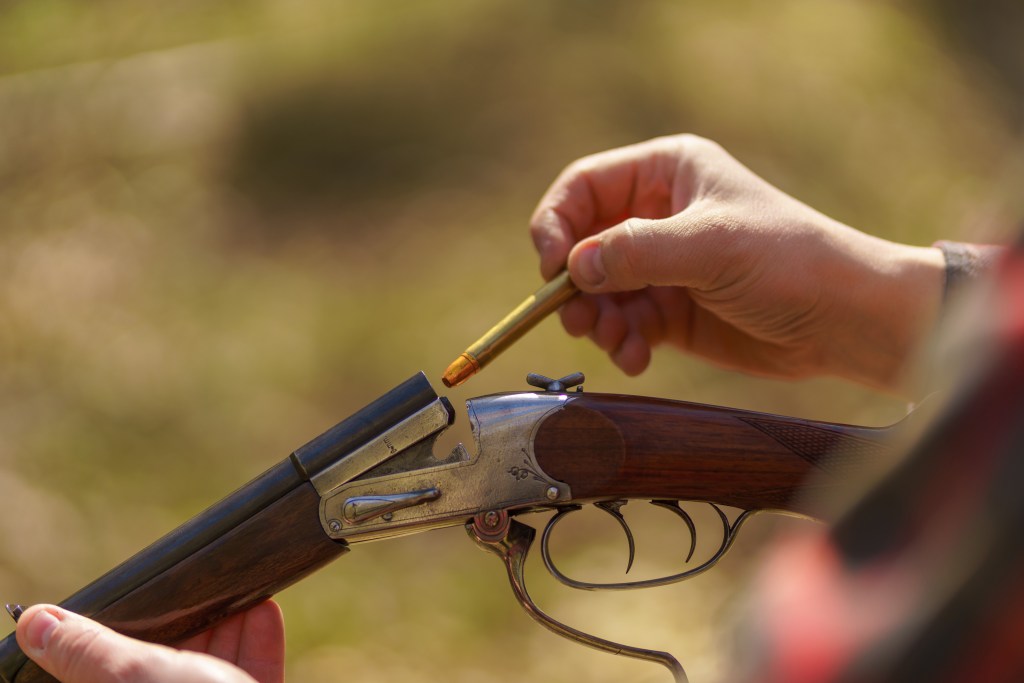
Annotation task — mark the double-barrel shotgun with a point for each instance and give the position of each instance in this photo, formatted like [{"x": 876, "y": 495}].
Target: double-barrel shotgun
[{"x": 375, "y": 475}]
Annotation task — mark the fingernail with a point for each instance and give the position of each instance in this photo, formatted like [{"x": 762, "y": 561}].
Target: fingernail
[
  {"x": 590, "y": 265},
  {"x": 40, "y": 628}
]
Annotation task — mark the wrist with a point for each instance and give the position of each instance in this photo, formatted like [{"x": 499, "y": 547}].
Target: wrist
[
  {"x": 894, "y": 306},
  {"x": 964, "y": 263}
]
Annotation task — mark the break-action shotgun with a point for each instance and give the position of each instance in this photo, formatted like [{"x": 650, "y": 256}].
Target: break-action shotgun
[{"x": 375, "y": 475}]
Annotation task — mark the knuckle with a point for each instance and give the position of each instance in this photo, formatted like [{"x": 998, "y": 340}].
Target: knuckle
[
  {"x": 539, "y": 231},
  {"x": 587, "y": 162},
  {"x": 629, "y": 254},
  {"x": 582, "y": 166},
  {"x": 661, "y": 142},
  {"x": 695, "y": 145}
]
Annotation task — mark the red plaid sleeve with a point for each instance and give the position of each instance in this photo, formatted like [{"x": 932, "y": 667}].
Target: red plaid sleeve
[{"x": 924, "y": 579}]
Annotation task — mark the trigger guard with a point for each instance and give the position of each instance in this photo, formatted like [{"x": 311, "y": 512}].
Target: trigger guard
[{"x": 729, "y": 533}]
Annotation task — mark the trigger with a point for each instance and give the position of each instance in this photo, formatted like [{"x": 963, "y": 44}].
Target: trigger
[
  {"x": 612, "y": 508},
  {"x": 675, "y": 508}
]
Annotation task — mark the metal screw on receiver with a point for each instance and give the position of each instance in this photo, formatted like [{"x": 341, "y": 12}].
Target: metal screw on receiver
[{"x": 491, "y": 525}]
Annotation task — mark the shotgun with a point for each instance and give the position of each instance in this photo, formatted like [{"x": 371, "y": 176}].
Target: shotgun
[{"x": 375, "y": 475}]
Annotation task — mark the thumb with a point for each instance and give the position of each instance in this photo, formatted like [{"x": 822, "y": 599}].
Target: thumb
[
  {"x": 74, "y": 649},
  {"x": 639, "y": 253}
]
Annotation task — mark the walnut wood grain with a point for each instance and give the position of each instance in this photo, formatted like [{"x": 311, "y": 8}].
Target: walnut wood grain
[
  {"x": 607, "y": 446},
  {"x": 261, "y": 556}
]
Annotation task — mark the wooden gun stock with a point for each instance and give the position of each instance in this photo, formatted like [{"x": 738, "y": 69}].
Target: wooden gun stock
[{"x": 607, "y": 446}]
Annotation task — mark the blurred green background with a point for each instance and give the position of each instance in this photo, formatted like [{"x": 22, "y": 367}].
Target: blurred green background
[{"x": 225, "y": 226}]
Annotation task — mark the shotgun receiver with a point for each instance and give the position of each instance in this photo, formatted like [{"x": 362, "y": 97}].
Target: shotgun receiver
[{"x": 375, "y": 476}]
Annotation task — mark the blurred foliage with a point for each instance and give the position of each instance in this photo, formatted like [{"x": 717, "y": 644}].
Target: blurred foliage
[
  {"x": 227, "y": 225},
  {"x": 986, "y": 35}
]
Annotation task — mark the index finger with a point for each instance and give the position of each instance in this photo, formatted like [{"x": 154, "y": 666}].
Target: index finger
[{"x": 599, "y": 191}]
